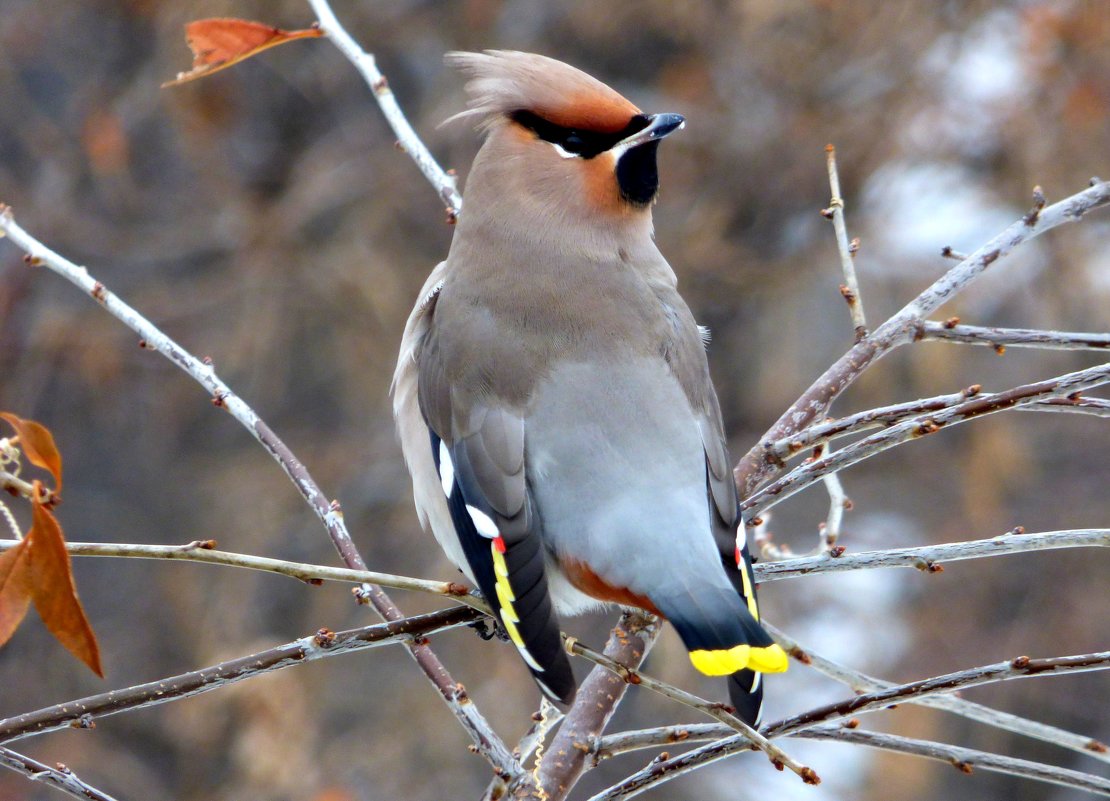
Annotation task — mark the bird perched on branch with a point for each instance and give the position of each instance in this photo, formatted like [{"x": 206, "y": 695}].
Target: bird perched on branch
[{"x": 552, "y": 393}]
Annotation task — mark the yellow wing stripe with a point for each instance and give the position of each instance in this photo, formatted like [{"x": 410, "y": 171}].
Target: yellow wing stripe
[
  {"x": 769, "y": 659},
  {"x": 499, "y": 566},
  {"x": 505, "y": 598},
  {"x": 749, "y": 593}
]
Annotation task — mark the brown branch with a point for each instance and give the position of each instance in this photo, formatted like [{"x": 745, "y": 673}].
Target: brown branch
[
  {"x": 835, "y": 428},
  {"x": 629, "y": 675},
  {"x": 756, "y": 466},
  {"x": 60, "y": 777},
  {"x": 614, "y": 744},
  {"x": 1019, "y": 667},
  {"x": 204, "y": 552},
  {"x": 861, "y": 682},
  {"x": 564, "y": 760},
  {"x": 964, "y": 760},
  {"x": 660, "y": 771},
  {"x": 1098, "y": 407},
  {"x": 1013, "y": 337},
  {"x": 82, "y": 713},
  {"x": 14, "y": 485},
  {"x": 928, "y": 558},
  {"x": 443, "y": 182},
  {"x": 835, "y": 212},
  {"x": 864, "y": 421},
  {"x": 488, "y": 744},
  {"x": 916, "y": 427}
]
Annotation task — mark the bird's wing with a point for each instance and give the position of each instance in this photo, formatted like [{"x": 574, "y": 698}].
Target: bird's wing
[
  {"x": 431, "y": 505},
  {"x": 477, "y": 444},
  {"x": 689, "y": 365}
]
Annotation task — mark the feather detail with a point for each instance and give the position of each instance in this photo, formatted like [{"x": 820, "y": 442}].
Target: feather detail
[
  {"x": 768, "y": 659},
  {"x": 504, "y": 81}
]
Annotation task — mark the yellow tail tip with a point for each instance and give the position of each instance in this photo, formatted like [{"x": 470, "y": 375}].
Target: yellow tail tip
[{"x": 771, "y": 659}]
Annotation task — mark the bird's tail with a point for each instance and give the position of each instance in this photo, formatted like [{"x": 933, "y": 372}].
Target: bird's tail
[{"x": 720, "y": 627}]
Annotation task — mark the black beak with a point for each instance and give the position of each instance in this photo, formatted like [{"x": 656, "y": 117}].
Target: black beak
[{"x": 659, "y": 126}]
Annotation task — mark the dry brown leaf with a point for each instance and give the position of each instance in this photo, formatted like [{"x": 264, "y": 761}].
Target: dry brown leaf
[
  {"x": 54, "y": 591},
  {"x": 36, "y": 441},
  {"x": 219, "y": 43},
  {"x": 15, "y": 589}
]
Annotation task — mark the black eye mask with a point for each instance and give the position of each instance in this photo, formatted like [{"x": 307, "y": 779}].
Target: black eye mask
[{"x": 586, "y": 144}]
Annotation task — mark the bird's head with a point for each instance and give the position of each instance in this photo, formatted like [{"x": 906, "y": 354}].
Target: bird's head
[{"x": 558, "y": 139}]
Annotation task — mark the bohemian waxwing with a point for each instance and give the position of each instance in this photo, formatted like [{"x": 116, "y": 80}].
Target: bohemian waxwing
[{"x": 552, "y": 393}]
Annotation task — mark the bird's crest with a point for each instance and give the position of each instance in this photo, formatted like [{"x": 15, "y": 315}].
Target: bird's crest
[{"x": 505, "y": 81}]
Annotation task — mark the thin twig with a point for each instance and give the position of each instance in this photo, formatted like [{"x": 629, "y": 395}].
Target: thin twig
[
  {"x": 839, "y": 503},
  {"x": 1098, "y": 407},
  {"x": 964, "y": 760},
  {"x": 82, "y": 713},
  {"x": 715, "y": 710},
  {"x": 833, "y": 428},
  {"x": 861, "y": 682},
  {"x": 757, "y": 465},
  {"x": 929, "y": 558},
  {"x": 487, "y": 743},
  {"x": 60, "y": 777},
  {"x": 313, "y": 574},
  {"x": 366, "y": 64},
  {"x": 960, "y": 758},
  {"x": 916, "y": 427},
  {"x": 598, "y": 697},
  {"x": 14, "y": 485},
  {"x": 1013, "y": 337},
  {"x": 1020, "y": 667},
  {"x": 664, "y": 770},
  {"x": 835, "y": 212},
  {"x": 544, "y": 721}
]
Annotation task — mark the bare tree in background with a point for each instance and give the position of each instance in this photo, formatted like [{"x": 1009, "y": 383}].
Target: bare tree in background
[{"x": 806, "y": 446}]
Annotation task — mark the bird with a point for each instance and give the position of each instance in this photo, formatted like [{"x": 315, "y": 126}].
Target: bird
[{"x": 552, "y": 393}]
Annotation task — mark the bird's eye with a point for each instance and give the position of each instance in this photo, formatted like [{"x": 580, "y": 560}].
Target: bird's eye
[{"x": 574, "y": 142}]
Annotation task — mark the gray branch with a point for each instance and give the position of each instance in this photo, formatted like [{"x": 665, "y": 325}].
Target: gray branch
[
  {"x": 60, "y": 778},
  {"x": 1013, "y": 337},
  {"x": 81, "y": 713},
  {"x": 928, "y": 558}
]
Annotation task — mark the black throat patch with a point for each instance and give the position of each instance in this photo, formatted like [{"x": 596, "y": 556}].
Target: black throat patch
[{"x": 638, "y": 175}]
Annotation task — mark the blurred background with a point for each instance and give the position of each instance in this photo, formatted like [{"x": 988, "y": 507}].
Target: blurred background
[{"x": 263, "y": 217}]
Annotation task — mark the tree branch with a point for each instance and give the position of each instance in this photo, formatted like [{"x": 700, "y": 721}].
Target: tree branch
[
  {"x": 1012, "y": 337},
  {"x": 82, "y": 713},
  {"x": 366, "y": 64},
  {"x": 60, "y": 778},
  {"x": 777, "y": 756},
  {"x": 835, "y": 212},
  {"x": 757, "y": 465},
  {"x": 597, "y": 700},
  {"x": 312, "y": 574},
  {"x": 1098, "y": 407},
  {"x": 1019, "y": 667},
  {"x": 861, "y": 682},
  {"x": 963, "y": 759},
  {"x": 14, "y": 485},
  {"x": 928, "y": 558},
  {"x": 489, "y": 745},
  {"x": 833, "y": 428},
  {"x": 913, "y": 428},
  {"x": 664, "y": 770}
]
